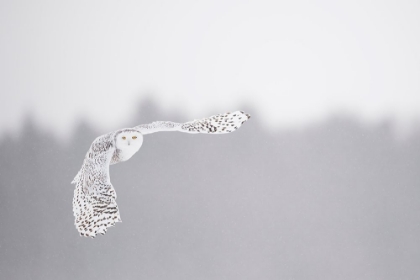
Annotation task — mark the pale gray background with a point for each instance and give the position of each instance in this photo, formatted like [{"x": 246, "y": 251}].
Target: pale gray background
[
  {"x": 322, "y": 183},
  {"x": 295, "y": 61}
]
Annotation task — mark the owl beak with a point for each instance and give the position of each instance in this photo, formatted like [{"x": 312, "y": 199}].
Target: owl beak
[{"x": 128, "y": 143}]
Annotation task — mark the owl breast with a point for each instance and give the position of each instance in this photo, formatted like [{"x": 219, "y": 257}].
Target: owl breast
[{"x": 123, "y": 154}]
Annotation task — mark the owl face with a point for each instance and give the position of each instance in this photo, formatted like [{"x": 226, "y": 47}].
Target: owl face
[{"x": 129, "y": 139}]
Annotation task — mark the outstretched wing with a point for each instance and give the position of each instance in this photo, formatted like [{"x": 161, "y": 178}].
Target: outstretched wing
[
  {"x": 217, "y": 124},
  {"x": 94, "y": 205}
]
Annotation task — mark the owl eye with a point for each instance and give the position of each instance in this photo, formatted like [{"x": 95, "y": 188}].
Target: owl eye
[
  {"x": 134, "y": 137},
  {"x": 123, "y": 138}
]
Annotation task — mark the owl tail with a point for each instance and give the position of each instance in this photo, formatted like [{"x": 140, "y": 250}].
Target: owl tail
[{"x": 94, "y": 214}]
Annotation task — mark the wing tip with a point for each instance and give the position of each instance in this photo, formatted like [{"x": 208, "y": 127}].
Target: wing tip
[{"x": 242, "y": 113}]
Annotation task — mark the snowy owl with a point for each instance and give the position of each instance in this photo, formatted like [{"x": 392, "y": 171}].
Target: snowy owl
[{"x": 94, "y": 202}]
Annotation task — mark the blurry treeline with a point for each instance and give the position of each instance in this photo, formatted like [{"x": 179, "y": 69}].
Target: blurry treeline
[{"x": 335, "y": 200}]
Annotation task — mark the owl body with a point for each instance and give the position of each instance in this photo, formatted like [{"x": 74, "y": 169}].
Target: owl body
[{"x": 94, "y": 203}]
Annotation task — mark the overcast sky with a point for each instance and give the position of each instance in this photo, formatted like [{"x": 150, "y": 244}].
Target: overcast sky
[{"x": 295, "y": 61}]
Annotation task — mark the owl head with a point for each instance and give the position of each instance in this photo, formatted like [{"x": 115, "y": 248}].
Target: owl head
[{"x": 128, "y": 139}]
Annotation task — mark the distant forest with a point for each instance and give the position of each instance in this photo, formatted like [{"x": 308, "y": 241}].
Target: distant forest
[{"x": 339, "y": 199}]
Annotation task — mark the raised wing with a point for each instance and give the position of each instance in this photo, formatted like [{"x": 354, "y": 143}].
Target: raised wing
[
  {"x": 217, "y": 124},
  {"x": 94, "y": 202}
]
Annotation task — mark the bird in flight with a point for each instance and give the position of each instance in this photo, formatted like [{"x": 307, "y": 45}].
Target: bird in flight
[{"x": 94, "y": 203}]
